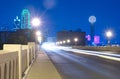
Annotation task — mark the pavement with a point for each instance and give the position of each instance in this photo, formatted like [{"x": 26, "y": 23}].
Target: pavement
[
  {"x": 43, "y": 68},
  {"x": 73, "y": 65}
]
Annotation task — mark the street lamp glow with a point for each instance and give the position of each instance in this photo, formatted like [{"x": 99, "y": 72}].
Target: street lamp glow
[
  {"x": 38, "y": 33},
  {"x": 75, "y": 39},
  {"x": 109, "y": 34},
  {"x": 60, "y": 42},
  {"x": 36, "y": 22},
  {"x": 64, "y": 42},
  {"x": 39, "y": 39},
  {"x": 56, "y": 43},
  {"x": 68, "y": 41}
]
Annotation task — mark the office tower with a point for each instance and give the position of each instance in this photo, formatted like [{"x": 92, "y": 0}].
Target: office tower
[{"x": 25, "y": 19}]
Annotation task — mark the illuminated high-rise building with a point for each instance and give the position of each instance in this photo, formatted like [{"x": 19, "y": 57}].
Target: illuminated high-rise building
[{"x": 25, "y": 19}]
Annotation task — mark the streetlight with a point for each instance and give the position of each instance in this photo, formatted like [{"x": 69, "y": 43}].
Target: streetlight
[
  {"x": 64, "y": 42},
  {"x": 39, "y": 38},
  {"x": 68, "y": 41},
  {"x": 36, "y": 22},
  {"x": 109, "y": 35},
  {"x": 60, "y": 42},
  {"x": 76, "y": 40},
  {"x": 38, "y": 33}
]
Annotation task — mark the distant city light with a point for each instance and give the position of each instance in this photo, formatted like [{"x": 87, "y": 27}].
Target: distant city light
[
  {"x": 60, "y": 42},
  {"x": 88, "y": 37},
  {"x": 96, "y": 39},
  {"x": 75, "y": 39},
  {"x": 64, "y": 42},
  {"x": 68, "y": 41}
]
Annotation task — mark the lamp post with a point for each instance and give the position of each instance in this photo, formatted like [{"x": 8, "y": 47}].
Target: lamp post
[
  {"x": 92, "y": 20},
  {"x": 109, "y": 35},
  {"x": 36, "y": 22},
  {"x": 39, "y": 36}
]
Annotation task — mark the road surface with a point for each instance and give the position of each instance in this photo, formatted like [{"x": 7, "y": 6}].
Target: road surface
[{"x": 72, "y": 65}]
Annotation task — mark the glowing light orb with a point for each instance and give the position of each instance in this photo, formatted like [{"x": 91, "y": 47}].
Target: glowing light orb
[
  {"x": 36, "y": 22},
  {"x": 92, "y": 19},
  {"x": 38, "y": 33},
  {"x": 109, "y": 34},
  {"x": 68, "y": 41},
  {"x": 75, "y": 39}
]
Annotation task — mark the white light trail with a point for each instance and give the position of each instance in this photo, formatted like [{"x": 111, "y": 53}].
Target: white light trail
[{"x": 115, "y": 57}]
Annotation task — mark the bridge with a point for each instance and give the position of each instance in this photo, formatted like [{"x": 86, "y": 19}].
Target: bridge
[
  {"x": 31, "y": 62},
  {"x": 25, "y": 62}
]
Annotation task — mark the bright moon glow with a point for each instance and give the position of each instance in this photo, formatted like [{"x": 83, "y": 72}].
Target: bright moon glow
[
  {"x": 109, "y": 34},
  {"x": 92, "y": 19},
  {"x": 36, "y": 22}
]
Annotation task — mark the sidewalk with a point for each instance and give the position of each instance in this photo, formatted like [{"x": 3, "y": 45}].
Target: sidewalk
[{"x": 43, "y": 68}]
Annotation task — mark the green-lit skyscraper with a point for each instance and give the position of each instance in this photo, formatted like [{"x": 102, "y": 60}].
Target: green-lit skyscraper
[{"x": 25, "y": 19}]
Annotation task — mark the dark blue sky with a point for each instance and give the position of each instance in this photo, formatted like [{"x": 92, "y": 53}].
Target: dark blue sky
[{"x": 67, "y": 15}]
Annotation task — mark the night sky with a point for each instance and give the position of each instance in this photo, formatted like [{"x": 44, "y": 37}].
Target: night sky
[{"x": 66, "y": 15}]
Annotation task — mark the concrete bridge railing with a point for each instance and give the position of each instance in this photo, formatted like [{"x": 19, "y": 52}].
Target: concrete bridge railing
[{"x": 15, "y": 60}]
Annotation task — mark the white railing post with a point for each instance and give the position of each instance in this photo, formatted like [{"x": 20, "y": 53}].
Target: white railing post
[
  {"x": 20, "y": 62},
  {"x": 28, "y": 52},
  {"x": 16, "y": 47},
  {"x": 34, "y": 48}
]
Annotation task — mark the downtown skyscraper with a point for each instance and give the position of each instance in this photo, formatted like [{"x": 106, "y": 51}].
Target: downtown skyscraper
[{"x": 25, "y": 19}]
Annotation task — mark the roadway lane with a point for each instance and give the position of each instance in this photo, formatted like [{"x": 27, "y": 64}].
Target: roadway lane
[{"x": 78, "y": 66}]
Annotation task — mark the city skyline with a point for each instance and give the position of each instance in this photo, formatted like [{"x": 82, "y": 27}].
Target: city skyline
[{"x": 68, "y": 15}]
